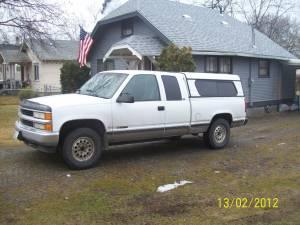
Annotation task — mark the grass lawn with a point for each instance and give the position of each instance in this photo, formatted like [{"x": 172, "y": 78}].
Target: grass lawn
[
  {"x": 8, "y": 116},
  {"x": 261, "y": 161}
]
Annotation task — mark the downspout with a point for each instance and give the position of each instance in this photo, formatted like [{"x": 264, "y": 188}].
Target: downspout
[
  {"x": 250, "y": 84},
  {"x": 250, "y": 81}
]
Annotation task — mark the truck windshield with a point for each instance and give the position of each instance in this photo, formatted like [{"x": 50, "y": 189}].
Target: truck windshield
[{"x": 103, "y": 85}]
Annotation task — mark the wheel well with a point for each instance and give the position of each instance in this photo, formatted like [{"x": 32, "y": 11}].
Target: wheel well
[
  {"x": 226, "y": 116},
  {"x": 94, "y": 124}
]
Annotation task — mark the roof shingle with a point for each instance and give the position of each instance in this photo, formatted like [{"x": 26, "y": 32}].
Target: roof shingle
[
  {"x": 56, "y": 50},
  {"x": 145, "y": 45}
]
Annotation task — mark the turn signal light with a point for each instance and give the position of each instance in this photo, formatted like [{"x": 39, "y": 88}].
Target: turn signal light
[
  {"x": 48, "y": 127},
  {"x": 48, "y": 116}
]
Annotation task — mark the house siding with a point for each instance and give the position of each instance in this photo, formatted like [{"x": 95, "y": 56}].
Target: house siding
[
  {"x": 49, "y": 77},
  {"x": 109, "y": 35}
]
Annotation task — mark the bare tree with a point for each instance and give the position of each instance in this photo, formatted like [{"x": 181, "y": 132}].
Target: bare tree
[
  {"x": 271, "y": 18},
  {"x": 30, "y": 18},
  {"x": 283, "y": 30},
  {"x": 223, "y": 6},
  {"x": 256, "y": 11}
]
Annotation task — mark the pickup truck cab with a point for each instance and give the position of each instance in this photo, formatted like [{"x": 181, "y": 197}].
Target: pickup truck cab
[{"x": 116, "y": 107}]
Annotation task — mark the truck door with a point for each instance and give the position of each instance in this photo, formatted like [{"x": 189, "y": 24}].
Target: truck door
[
  {"x": 144, "y": 118},
  {"x": 177, "y": 105}
]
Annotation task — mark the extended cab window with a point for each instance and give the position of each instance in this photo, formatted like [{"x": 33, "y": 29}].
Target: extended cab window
[
  {"x": 143, "y": 87},
  {"x": 215, "y": 88},
  {"x": 172, "y": 88}
]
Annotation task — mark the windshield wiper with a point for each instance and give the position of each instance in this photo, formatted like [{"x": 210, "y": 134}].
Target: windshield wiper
[{"x": 88, "y": 92}]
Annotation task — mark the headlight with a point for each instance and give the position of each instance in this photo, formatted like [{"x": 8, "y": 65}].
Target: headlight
[
  {"x": 40, "y": 126},
  {"x": 43, "y": 116}
]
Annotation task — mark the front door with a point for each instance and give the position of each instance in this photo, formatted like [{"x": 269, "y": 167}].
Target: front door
[{"x": 144, "y": 118}]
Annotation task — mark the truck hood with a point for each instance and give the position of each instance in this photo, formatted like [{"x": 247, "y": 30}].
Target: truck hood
[{"x": 56, "y": 101}]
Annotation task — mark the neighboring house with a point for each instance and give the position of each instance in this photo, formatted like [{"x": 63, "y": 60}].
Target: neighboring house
[
  {"x": 131, "y": 36},
  {"x": 36, "y": 64},
  {"x": 10, "y": 71}
]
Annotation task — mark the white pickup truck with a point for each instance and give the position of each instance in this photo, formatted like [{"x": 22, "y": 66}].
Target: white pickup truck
[{"x": 116, "y": 107}]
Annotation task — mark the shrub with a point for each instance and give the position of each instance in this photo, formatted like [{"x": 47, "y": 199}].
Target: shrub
[
  {"x": 176, "y": 59},
  {"x": 26, "y": 94},
  {"x": 72, "y": 77}
]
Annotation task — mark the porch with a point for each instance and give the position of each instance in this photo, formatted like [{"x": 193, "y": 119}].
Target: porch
[
  {"x": 137, "y": 51},
  {"x": 14, "y": 69}
]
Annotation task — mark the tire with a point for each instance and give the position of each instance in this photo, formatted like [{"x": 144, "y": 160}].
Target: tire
[
  {"x": 218, "y": 134},
  {"x": 175, "y": 138},
  {"x": 81, "y": 148}
]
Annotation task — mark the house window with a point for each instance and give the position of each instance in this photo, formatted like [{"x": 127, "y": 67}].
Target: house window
[
  {"x": 263, "y": 68},
  {"x": 225, "y": 65},
  {"x": 109, "y": 64},
  {"x": 36, "y": 72},
  {"x": 127, "y": 28},
  {"x": 218, "y": 64},
  {"x": 211, "y": 64}
]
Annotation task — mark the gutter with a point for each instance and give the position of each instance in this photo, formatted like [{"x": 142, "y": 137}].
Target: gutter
[{"x": 243, "y": 55}]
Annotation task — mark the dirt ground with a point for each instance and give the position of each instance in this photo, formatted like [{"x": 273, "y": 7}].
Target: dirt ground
[{"x": 261, "y": 161}]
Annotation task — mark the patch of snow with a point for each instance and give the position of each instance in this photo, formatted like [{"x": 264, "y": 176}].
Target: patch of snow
[
  {"x": 68, "y": 175},
  {"x": 225, "y": 23},
  {"x": 217, "y": 171},
  {"x": 168, "y": 187},
  {"x": 281, "y": 143}
]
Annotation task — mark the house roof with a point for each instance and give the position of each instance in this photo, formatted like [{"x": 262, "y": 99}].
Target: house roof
[
  {"x": 8, "y": 46},
  {"x": 145, "y": 45},
  {"x": 56, "y": 50},
  {"x": 14, "y": 56},
  {"x": 203, "y": 29}
]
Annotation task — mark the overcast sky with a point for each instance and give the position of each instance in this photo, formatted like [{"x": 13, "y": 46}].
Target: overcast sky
[{"x": 84, "y": 11}]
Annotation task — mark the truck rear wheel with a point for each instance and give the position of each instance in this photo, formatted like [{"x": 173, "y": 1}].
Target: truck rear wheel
[
  {"x": 218, "y": 134},
  {"x": 82, "y": 148}
]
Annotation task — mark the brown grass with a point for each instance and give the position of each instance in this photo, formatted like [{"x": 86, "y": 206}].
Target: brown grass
[{"x": 8, "y": 116}]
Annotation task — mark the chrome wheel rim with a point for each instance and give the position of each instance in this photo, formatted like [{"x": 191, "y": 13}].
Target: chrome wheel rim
[
  {"x": 220, "y": 134},
  {"x": 83, "y": 149}
]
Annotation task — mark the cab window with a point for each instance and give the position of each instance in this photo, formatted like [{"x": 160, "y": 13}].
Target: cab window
[{"x": 143, "y": 87}]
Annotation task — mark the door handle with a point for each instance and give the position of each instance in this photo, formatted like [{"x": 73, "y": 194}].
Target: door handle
[{"x": 160, "y": 108}]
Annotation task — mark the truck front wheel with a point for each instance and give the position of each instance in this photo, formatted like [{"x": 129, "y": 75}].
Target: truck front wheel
[
  {"x": 218, "y": 134},
  {"x": 81, "y": 148}
]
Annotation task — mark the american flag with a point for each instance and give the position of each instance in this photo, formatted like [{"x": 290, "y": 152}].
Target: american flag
[{"x": 86, "y": 42}]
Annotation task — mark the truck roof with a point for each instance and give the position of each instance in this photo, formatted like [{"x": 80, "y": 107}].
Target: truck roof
[
  {"x": 189, "y": 75},
  {"x": 211, "y": 76}
]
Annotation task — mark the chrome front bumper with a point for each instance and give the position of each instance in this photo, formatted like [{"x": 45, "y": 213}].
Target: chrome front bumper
[{"x": 44, "y": 141}]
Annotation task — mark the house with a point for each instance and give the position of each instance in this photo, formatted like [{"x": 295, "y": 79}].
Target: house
[
  {"x": 36, "y": 63},
  {"x": 133, "y": 35},
  {"x": 10, "y": 70}
]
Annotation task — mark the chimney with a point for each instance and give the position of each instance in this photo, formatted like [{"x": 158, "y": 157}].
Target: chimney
[
  {"x": 18, "y": 40},
  {"x": 253, "y": 37}
]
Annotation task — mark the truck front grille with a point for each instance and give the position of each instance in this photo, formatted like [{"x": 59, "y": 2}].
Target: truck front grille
[
  {"x": 27, "y": 123},
  {"x": 27, "y": 112}
]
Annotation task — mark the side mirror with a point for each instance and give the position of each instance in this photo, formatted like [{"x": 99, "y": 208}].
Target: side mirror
[{"x": 125, "y": 98}]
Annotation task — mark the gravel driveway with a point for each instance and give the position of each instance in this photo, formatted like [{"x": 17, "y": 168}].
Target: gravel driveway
[{"x": 262, "y": 160}]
